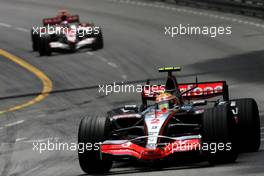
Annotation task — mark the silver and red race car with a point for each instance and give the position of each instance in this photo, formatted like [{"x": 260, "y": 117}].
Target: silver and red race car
[
  {"x": 175, "y": 119},
  {"x": 65, "y": 33}
]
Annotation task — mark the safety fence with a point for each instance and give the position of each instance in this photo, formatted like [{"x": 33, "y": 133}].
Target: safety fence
[{"x": 246, "y": 7}]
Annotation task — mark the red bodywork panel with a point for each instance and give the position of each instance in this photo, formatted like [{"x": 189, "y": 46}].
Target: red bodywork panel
[
  {"x": 131, "y": 149},
  {"x": 203, "y": 90},
  {"x": 57, "y": 20}
]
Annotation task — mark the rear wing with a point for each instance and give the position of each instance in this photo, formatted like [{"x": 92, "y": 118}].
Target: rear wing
[
  {"x": 202, "y": 90},
  {"x": 58, "y": 20},
  {"x": 205, "y": 90},
  {"x": 169, "y": 69}
]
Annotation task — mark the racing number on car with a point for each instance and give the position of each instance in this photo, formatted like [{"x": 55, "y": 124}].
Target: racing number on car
[{"x": 154, "y": 127}]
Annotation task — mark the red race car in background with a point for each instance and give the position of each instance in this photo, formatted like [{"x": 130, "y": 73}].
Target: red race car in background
[
  {"x": 65, "y": 33},
  {"x": 179, "y": 120}
]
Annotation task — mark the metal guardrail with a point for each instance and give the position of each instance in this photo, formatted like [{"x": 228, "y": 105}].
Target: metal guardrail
[{"x": 247, "y": 7}]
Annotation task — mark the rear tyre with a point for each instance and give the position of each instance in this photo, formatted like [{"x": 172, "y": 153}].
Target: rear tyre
[
  {"x": 99, "y": 43},
  {"x": 35, "y": 40},
  {"x": 44, "y": 47},
  {"x": 248, "y": 125},
  {"x": 93, "y": 130},
  {"x": 218, "y": 130}
]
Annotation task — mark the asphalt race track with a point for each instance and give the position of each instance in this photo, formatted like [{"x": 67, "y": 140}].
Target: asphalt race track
[{"x": 135, "y": 46}]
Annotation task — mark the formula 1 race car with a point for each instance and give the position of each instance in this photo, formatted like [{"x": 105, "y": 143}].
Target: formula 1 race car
[
  {"x": 175, "y": 119},
  {"x": 65, "y": 33}
]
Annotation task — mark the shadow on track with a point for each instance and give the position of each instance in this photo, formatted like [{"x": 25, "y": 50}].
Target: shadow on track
[
  {"x": 247, "y": 67},
  {"x": 131, "y": 167}
]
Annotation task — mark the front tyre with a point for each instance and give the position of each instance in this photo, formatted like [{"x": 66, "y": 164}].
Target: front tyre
[
  {"x": 248, "y": 125},
  {"x": 99, "y": 43},
  {"x": 92, "y": 131},
  {"x": 219, "y": 129},
  {"x": 44, "y": 47},
  {"x": 35, "y": 40}
]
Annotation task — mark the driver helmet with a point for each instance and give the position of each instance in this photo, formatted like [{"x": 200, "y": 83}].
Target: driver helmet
[
  {"x": 166, "y": 101},
  {"x": 65, "y": 24}
]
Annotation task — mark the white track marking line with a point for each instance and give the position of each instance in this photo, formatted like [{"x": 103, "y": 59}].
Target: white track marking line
[
  {"x": 38, "y": 140},
  {"x": 102, "y": 58},
  {"x": 16, "y": 28},
  {"x": 14, "y": 123},
  {"x": 5, "y": 25},
  {"x": 90, "y": 53},
  {"x": 112, "y": 64},
  {"x": 21, "y": 29},
  {"x": 20, "y": 139},
  {"x": 42, "y": 140}
]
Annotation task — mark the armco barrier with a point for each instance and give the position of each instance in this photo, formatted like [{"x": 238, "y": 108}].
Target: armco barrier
[{"x": 246, "y": 7}]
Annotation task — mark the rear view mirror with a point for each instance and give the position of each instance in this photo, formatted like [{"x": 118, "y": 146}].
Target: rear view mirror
[
  {"x": 199, "y": 103},
  {"x": 130, "y": 107}
]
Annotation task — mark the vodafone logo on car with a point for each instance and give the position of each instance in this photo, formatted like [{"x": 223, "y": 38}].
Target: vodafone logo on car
[
  {"x": 202, "y": 89},
  {"x": 209, "y": 88}
]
